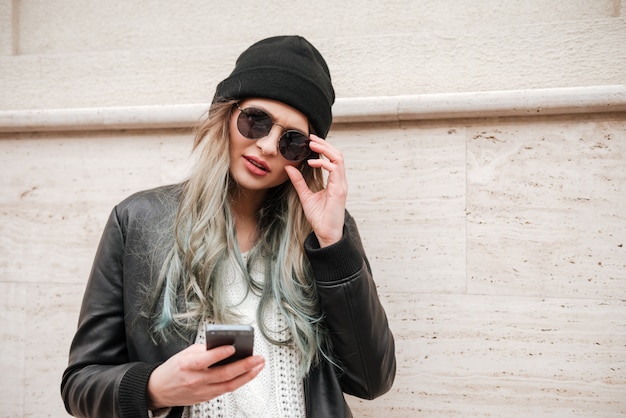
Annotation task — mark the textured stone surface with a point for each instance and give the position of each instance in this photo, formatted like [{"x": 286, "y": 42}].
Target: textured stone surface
[
  {"x": 173, "y": 54},
  {"x": 497, "y": 246}
]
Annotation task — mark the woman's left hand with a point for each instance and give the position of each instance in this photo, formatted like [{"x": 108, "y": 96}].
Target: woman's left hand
[{"x": 325, "y": 210}]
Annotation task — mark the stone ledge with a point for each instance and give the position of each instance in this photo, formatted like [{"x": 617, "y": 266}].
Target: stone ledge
[{"x": 556, "y": 101}]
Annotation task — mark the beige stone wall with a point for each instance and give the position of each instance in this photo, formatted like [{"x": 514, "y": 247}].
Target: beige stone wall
[
  {"x": 75, "y": 53},
  {"x": 497, "y": 243}
]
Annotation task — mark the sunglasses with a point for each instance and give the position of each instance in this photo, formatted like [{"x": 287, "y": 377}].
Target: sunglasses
[{"x": 255, "y": 123}]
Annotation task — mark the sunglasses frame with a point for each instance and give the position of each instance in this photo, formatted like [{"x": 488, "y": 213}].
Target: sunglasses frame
[{"x": 284, "y": 142}]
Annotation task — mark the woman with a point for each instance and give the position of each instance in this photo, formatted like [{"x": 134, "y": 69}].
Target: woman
[{"x": 252, "y": 237}]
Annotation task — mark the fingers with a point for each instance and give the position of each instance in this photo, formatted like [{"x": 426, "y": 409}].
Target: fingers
[
  {"x": 200, "y": 358},
  {"x": 331, "y": 159},
  {"x": 217, "y": 374},
  {"x": 233, "y": 371},
  {"x": 298, "y": 181},
  {"x": 186, "y": 377},
  {"x": 323, "y": 147},
  {"x": 229, "y": 377},
  {"x": 218, "y": 354},
  {"x": 324, "y": 209},
  {"x": 332, "y": 162}
]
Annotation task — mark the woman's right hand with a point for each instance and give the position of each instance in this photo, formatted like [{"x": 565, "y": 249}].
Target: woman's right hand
[{"x": 186, "y": 378}]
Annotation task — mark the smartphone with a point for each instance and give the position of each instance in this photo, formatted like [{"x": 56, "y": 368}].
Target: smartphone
[{"x": 240, "y": 336}]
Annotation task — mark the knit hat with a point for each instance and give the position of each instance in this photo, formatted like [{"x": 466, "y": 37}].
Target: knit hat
[{"x": 287, "y": 69}]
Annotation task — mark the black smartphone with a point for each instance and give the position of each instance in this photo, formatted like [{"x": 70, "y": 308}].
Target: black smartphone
[{"x": 240, "y": 336}]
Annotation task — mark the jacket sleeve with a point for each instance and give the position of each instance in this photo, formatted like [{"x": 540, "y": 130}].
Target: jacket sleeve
[
  {"x": 362, "y": 343},
  {"x": 100, "y": 381}
]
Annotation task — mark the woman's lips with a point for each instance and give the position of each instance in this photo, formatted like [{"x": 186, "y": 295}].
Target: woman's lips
[{"x": 256, "y": 166}]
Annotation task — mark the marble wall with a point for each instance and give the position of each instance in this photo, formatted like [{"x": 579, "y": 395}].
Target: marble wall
[
  {"x": 497, "y": 244},
  {"x": 499, "y": 247},
  {"x": 74, "y": 54}
]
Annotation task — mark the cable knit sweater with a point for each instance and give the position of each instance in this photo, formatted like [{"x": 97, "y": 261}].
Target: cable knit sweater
[{"x": 276, "y": 391}]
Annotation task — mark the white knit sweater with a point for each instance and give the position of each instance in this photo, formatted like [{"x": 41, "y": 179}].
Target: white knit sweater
[{"x": 276, "y": 391}]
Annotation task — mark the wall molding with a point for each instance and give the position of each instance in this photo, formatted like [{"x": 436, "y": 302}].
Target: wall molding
[{"x": 554, "y": 101}]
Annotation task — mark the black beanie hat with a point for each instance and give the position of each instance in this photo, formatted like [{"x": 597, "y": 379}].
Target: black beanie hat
[{"x": 287, "y": 69}]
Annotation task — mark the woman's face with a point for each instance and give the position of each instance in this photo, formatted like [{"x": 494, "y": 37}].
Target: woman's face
[{"x": 257, "y": 165}]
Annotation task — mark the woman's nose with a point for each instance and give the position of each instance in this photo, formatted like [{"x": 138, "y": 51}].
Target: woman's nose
[{"x": 269, "y": 144}]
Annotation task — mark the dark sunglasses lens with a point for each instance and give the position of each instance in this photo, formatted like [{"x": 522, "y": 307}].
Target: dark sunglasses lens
[
  {"x": 254, "y": 123},
  {"x": 294, "y": 146}
]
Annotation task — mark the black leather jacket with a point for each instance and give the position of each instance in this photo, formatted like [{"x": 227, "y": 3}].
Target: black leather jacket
[{"x": 112, "y": 355}]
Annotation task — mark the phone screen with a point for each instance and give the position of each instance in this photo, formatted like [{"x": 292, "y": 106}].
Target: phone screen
[{"x": 239, "y": 336}]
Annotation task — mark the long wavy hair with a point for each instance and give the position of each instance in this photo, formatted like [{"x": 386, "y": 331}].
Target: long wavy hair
[{"x": 190, "y": 285}]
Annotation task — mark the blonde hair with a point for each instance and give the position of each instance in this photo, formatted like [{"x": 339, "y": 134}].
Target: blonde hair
[{"x": 190, "y": 288}]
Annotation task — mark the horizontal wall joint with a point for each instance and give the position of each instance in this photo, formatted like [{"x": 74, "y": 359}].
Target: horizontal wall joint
[{"x": 557, "y": 101}]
